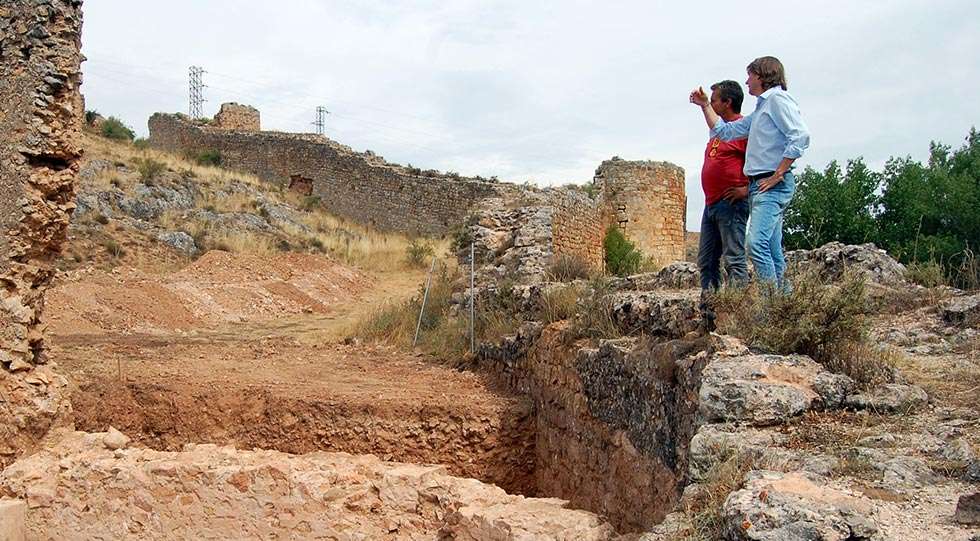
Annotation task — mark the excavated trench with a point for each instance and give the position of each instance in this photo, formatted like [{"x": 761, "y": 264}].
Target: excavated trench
[{"x": 606, "y": 428}]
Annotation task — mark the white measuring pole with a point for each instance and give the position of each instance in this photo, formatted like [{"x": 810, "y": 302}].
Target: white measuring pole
[
  {"x": 472, "y": 297},
  {"x": 424, "y": 297}
]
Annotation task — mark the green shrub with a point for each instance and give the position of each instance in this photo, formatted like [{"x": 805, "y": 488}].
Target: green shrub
[
  {"x": 568, "y": 267},
  {"x": 149, "y": 168},
  {"x": 418, "y": 253},
  {"x": 113, "y": 128},
  {"x": 141, "y": 143},
  {"x": 208, "y": 157},
  {"x": 622, "y": 256},
  {"x": 90, "y": 116}
]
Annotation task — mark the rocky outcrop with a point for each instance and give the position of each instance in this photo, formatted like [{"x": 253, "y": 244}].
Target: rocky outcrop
[
  {"x": 93, "y": 485},
  {"x": 780, "y": 506},
  {"x": 888, "y": 398},
  {"x": 40, "y": 124},
  {"x": 833, "y": 259},
  {"x": 768, "y": 389},
  {"x": 656, "y": 313},
  {"x": 962, "y": 311}
]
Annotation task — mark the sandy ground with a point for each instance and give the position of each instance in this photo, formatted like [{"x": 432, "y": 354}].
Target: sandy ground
[{"x": 239, "y": 350}]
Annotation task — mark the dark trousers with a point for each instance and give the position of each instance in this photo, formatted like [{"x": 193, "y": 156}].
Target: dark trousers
[{"x": 723, "y": 240}]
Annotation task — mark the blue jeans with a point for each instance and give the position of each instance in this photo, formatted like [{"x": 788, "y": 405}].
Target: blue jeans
[
  {"x": 723, "y": 239},
  {"x": 765, "y": 236}
]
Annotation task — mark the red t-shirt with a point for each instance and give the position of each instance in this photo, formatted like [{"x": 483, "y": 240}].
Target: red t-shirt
[{"x": 723, "y": 165}]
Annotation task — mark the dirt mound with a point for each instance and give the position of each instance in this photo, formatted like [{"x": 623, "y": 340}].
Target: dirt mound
[{"x": 220, "y": 287}]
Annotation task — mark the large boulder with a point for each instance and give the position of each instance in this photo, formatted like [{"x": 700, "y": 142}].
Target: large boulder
[
  {"x": 767, "y": 389},
  {"x": 833, "y": 259},
  {"x": 775, "y": 506},
  {"x": 962, "y": 311},
  {"x": 888, "y": 398}
]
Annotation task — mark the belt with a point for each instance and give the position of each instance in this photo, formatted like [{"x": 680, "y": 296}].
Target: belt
[{"x": 760, "y": 176}]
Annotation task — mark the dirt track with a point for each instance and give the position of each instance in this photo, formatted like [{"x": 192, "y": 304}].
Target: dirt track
[{"x": 280, "y": 379}]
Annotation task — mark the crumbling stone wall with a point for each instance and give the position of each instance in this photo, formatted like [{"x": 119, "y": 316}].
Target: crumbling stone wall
[
  {"x": 358, "y": 186},
  {"x": 578, "y": 226},
  {"x": 234, "y": 116},
  {"x": 647, "y": 200},
  {"x": 613, "y": 423},
  {"x": 40, "y": 125}
]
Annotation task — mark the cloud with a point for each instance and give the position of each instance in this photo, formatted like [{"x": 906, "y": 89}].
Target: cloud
[{"x": 543, "y": 90}]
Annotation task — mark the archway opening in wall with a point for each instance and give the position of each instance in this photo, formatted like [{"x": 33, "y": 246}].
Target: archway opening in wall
[{"x": 301, "y": 184}]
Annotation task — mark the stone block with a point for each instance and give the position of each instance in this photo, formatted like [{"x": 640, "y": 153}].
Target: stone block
[{"x": 13, "y": 517}]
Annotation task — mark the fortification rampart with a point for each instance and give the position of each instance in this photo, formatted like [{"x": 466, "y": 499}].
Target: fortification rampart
[{"x": 358, "y": 186}]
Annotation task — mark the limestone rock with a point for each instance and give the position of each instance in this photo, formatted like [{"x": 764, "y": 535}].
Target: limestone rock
[
  {"x": 115, "y": 439},
  {"x": 890, "y": 398},
  {"x": 658, "y": 313},
  {"x": 767, "y": 389},
  {"x": 968, "y": 509},
  {"x": 677, "y": 275},
  {"x": 190, "y": 495},
  {"x": 179, "y": 240},
  {"x": 831, "y": 260},
  {"x": 962, "y": 311},
  {"x": 795, "y": 506}
]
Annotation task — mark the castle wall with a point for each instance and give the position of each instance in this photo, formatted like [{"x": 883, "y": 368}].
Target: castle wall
[
  {"x": 233, "y": 116},
  {"x": 358, "y": 186},
  {"x": 578, "y": 226},
  {"x": 647, "y": 200}
]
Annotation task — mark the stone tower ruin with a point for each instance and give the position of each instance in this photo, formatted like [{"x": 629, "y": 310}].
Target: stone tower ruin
[
  {"x": 234, "y": 116},
  {"x": 646, "y": 199}
]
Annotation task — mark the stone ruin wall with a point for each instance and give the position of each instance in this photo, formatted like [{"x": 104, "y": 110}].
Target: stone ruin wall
[
  {"x": 578, "y": 226},
  {"x": 611, "y": 433},
  {"x": 40, "y": 132},
  {"x": 234, "y": 116},
  {"x": 648, "y": 202},
  {"x": 358, "y": 186}
]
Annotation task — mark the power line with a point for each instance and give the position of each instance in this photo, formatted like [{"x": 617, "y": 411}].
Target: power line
[
  {"x": 196, "y": 92},
  {"x": 321, "y": 112}
]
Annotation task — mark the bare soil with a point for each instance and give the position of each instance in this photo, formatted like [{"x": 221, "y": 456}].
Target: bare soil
[{"x": 238, "y": 350}]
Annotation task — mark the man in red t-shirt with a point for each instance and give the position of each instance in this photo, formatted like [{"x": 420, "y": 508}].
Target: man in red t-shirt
[{"x": 726, "y": 209}]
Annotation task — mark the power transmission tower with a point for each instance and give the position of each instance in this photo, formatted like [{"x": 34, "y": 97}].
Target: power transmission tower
[
  {"x": 196, "y": 92},
  {"x": 321, "y": 113}
]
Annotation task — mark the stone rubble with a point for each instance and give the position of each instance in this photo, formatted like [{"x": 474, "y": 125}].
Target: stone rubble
[{"x": 92, "y": 486}]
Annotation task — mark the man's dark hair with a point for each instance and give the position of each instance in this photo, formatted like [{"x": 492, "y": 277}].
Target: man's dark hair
[{"x": 731, "y": 91}]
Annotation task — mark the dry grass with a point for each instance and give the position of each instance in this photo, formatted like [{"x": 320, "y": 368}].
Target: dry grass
[
  {"x": 827, "y": 321},
  {"x": 704, "y": 509},
  {"x": 560, "y": 303},
  {"x": 350, "y": 243}
]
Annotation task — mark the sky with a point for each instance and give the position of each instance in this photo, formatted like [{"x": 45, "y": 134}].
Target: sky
[{"x": 544, "y": 91}]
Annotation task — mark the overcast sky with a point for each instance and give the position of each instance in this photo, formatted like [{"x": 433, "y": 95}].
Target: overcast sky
[{"x": 544, "y": 91}]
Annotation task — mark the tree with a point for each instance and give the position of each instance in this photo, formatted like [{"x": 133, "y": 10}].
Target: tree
[{"x": 833, "y": 206}]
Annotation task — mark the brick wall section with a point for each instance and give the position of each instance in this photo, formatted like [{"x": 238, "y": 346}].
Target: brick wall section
[
  {"x": 648, "y": 201},
  {"x": 578, "y": 225},
  {"x": 40, "y": 128},
  {"x": 234, "y": 116},
  {"x": 358, "y": 186}
]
